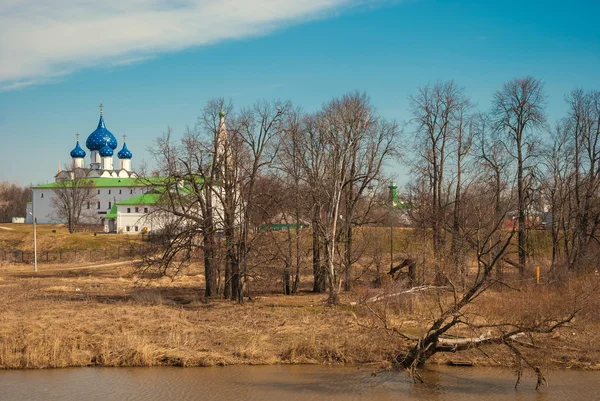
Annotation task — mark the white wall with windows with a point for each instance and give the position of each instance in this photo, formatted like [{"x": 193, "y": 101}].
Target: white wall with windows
[
  {"x": 136, "y": 219},
  {"x": 93, "y": 211}
]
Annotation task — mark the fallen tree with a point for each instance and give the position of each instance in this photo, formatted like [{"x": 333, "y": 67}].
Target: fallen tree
[{"x": 455, "y": 324}]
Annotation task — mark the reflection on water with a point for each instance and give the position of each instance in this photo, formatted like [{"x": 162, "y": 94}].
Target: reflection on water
[{"x": 289, "y": 383}]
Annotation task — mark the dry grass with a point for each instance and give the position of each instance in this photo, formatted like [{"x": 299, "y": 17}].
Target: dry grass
[
  {"x": 56, "y": 237},
  {"x": 106, "y": 315}
]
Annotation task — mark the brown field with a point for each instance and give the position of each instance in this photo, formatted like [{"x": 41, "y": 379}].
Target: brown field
[
  {"x": 82, "y": 314},
  {"x": 105, "y": 315}
]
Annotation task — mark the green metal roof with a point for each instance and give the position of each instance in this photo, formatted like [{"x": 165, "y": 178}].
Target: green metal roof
[
  {"x": 144, "y": 199},
  {"x": 109, "y": 182},
  {"x": 112, "y": 214}
]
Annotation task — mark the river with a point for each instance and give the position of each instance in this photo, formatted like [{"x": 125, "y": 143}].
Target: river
[{"x": 289, "y": 383}]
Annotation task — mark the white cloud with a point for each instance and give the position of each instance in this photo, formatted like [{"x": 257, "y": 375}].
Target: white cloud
[{"x": 45, "y": 39}]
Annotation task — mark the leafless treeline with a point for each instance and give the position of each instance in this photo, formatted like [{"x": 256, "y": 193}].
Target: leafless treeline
[
  {"x": 13, "y": 201},
  {"x": 236, "y": 175},
  {"x": 477, "y": 179},
  {"x": 507, "y": 163}
]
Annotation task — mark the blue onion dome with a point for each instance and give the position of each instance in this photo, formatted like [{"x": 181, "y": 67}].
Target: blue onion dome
[
  {"x": 124, "y": 153},
  {"x": 78, "y": 152},
  {"x": 106, "y": 151},
  {"x": 100, "y": 137}
]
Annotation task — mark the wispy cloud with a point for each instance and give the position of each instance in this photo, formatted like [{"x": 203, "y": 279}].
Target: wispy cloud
[{"x": 45, "y": 39}]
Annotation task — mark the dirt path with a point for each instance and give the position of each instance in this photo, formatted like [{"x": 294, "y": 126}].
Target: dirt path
[{"x": 41, "y": 269}]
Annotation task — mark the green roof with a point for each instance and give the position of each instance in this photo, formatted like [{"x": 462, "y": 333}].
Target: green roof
[
  {"x": 112, "y": 214},
  {"x": 109, "y": 182},
  {"x": 144, "y": 199}
]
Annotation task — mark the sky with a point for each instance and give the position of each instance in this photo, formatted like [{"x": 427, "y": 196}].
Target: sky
[{"x": 154, "y": 64}]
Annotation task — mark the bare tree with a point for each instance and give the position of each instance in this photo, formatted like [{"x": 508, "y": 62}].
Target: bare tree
[
  {"x": 373, "y": 141},
  {"x": 72, "y": 198},
  {"x": 295, "y": 195},
  {"x": 494, "y": 174},
  {"x": 518, "y": 110},
  {"x": 557, "y": 171},
  {"x": 258, "y": 129},
  {"x": 462, "y": 134},
  {"x": 439, "y": 116},
  {"x": 191, "y": 172},
  {"x": 342, "y": 154},
  {"x": 583, "y": 130},
  {"x": 325, "y": 156},
  {"x": 455, "y": 323}
]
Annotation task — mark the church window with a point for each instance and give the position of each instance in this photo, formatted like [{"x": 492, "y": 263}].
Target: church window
[
  {"x": 128, "y": 228},
  {"x": 131, "y": 191},
  {"x": 42, "y": 195},
  {"x": 145, "y": 210},
  {"x": 109, "y": 205},
  {"x": 119, "y": 192},
  {"x": 136, "y": 228},
  {"x": 98, "y": 206},
  {"x": 137, "y": 209},
  {"x": 109, "y": 191},
  {"x": 128, "y": 210},
  {"x": 88, "y": 205},
  {"x": 98, "y": 194}
]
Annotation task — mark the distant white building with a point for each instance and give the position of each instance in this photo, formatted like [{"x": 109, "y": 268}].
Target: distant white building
[
  {"x": 135, "y": 215},
  {"x": 112, "y": 185},
  {"x": 124, "y": 203}
]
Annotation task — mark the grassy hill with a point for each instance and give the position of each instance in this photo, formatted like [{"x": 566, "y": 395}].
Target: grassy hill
[{"x": 56, "y": 237}]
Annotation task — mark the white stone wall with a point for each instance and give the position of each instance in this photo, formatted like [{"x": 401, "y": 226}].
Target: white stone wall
[
  {"x": 125, "y": 164},
  {"x": 78, "y": 162},
  {"x": 107, "y": 197},
  {"x": 147, "y": 219},
  {"x": 132, "y": 219}
]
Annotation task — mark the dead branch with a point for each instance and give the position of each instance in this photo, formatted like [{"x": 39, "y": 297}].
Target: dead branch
[{"x": 413, "y": 290}]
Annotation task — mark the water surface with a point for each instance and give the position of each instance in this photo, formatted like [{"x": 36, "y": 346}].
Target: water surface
[{"x": 289, "y": 383}]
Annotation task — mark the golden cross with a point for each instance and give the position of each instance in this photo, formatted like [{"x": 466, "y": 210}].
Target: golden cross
[{"x": 101, "y": 106}]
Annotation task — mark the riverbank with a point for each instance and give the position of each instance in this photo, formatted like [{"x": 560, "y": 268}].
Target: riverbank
[{"x": 66, "y": 316}]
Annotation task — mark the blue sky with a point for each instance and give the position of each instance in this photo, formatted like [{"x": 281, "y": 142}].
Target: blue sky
[{"x": 155, "y": 63}]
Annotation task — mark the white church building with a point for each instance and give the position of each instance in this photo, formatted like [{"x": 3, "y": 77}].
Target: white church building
[
  {"x": 114, "y": 186},
  {"x": 123, "y": 203}
]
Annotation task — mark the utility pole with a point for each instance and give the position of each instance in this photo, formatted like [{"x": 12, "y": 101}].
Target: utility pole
[
  {"x": 35, "y": 244},
  {"x": 393, "y": 198}
]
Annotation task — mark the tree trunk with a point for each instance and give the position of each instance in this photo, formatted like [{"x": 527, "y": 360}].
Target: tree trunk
[
  {"x": 348, "y": 258},
  {"x": 209, "y": 264},
  {"x": 287, "y": 288},
  {"x": 521, "y": 212},
  {"x": 319, "y": 277}
]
